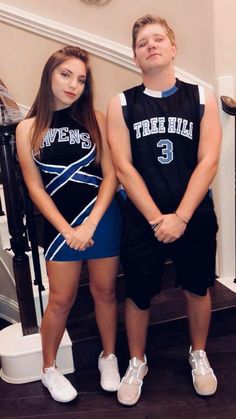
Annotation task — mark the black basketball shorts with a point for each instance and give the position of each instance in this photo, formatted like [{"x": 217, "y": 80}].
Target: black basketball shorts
[{"x": 143, "y": 257}]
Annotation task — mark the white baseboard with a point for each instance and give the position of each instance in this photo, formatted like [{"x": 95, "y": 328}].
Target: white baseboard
[
  {"x": 228, "y": 283},
  {"x": 9, "y": 310}
]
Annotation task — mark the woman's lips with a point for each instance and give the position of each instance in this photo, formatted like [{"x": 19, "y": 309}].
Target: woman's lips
[{"x": 70, "y": 94}]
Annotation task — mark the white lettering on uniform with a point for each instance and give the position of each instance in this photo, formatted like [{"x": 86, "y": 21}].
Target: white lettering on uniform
[
  {"x": 146, "y": 127},
  {"x": 154, "y": 128},
  {"x": 49, "y": 137},
  {"x": 187, "y": 132},
  {"x": 162, "y": 128},
  {"x": 85, "y": 138},
  {"x": 171, "y": 125},
  {"x": 63, "y": 134},
  {"x": 162, "y": 125},
  {"x": 74, "y": 136},
  {"x": 137, "y": 127}
]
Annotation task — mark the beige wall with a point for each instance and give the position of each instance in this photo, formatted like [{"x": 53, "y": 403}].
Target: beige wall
[
  {"x": 225, "y": 39},
  {"x": 193, "y": 22},
  {"x": 25, "y": 55},
  {"x": 204, "y": 30}
]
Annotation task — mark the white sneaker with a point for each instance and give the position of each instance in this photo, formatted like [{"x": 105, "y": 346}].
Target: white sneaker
[
  {"x": 108, "y": 367},
  {"x": 58, "y": 386},
  {"x": 130, "y": 387},
  {"x": 204, "y": 379}
]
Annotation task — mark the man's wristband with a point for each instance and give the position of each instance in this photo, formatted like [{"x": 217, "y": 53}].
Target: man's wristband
[{"x": 185, "y": 222}]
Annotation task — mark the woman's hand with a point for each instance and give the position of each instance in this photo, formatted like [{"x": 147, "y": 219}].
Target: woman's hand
[{"x": 80, "y": 237}]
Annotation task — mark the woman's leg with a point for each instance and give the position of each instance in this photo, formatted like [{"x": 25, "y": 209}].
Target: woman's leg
[
  {"x": 102, "y": 280},
  {"x": 63, "y": 284}
]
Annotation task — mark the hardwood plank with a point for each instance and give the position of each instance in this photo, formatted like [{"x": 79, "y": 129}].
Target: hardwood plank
[{"x": 167, "y": 391}]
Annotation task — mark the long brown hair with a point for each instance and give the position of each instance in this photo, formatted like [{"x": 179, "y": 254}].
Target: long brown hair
[{"x": 82, "y": 110}]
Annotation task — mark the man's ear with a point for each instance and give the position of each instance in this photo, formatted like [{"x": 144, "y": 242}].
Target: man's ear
[
  {"x": 135, "y": 60},
  {"x": 174, "y": 50}
]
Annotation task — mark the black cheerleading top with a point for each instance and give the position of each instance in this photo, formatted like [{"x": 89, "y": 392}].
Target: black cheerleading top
[
  {"x": 164, "y": 132},
  {"x": 72, "y": 179}
]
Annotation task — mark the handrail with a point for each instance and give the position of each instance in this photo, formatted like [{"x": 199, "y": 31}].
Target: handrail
[
  {"x": 31, "y": 232},
  {"x": 18, "y": 240},
  {"x": 228, "y": 105}
]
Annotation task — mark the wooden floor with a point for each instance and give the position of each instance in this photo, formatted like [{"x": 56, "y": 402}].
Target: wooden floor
[{"x": 167, "y": 390}]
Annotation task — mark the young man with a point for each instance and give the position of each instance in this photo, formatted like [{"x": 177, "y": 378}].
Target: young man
[{"x": 165, "y": 138}]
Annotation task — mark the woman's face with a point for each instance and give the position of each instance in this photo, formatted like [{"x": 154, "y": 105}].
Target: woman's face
[{"x": 68, "y": 82}]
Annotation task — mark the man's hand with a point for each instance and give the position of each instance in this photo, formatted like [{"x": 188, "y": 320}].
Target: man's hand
[{"x": 169, "y": 227}]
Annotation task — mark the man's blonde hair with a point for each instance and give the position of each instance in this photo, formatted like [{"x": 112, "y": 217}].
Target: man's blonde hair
[{"x": 147, "y": 20}]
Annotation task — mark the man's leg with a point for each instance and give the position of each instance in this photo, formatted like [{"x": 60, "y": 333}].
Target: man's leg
[
  {"x": 199, "y": 316},
  {"x": 137, "y": 321},
  {"x": 143, "y": 266},
  {"x": 194, "y": 258},
  {"x": 136, "y": 325}
]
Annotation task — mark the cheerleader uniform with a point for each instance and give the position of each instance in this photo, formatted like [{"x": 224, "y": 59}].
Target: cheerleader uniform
[{"x": 72, "y": 179}]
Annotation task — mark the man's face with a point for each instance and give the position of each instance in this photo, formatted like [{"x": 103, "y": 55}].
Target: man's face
[{"x": 153, "y": 48}]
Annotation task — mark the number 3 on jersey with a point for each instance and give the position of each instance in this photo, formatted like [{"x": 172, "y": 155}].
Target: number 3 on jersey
[{"x": 167, "y": 151}]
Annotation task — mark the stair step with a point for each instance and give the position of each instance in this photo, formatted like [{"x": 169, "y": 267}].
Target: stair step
[
  {"x": 84, "y": 306},
  {"x": 160, "y": 335}
]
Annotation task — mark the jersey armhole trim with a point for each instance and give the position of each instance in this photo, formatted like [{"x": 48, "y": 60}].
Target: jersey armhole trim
[
  {"x": 124, "y": 107},
  {"x": 202, "y": 100}
]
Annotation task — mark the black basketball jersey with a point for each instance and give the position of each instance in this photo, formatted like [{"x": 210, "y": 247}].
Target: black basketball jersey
[{"x": 164, "y": 132}]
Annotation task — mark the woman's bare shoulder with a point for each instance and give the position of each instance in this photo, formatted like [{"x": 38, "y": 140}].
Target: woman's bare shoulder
[{"x": 25, "y": 125}]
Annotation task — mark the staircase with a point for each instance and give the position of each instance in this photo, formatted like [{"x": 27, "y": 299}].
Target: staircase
[
  {"x": 9, "y": 309},
  {"x": 168, "y": 325}
]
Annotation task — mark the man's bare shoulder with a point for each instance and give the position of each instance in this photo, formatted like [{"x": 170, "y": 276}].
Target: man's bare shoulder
[{"x": 115, "y": 101}]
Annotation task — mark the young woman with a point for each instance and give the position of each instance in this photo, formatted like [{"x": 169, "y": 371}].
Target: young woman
[{"x": 68, "y": 171}]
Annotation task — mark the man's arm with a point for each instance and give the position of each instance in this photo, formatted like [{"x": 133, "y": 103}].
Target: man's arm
[
  {"x": 208, "y": 159},
  {"x": 119, "y": 140},
  {"x": 202, "y": 176}
]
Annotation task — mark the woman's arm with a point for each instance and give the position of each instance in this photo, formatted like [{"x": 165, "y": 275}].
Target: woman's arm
[
  {"x": 37, "y": 192},
  {"x": 33, "y": 178}
]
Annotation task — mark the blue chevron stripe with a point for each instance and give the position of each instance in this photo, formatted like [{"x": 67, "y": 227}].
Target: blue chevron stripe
[
  {"x": 67, "y": 173},
  {"x": 88, "y": 179},
  {"x": 48, "y": 168},
  {"x": 77, "y": 177}
]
